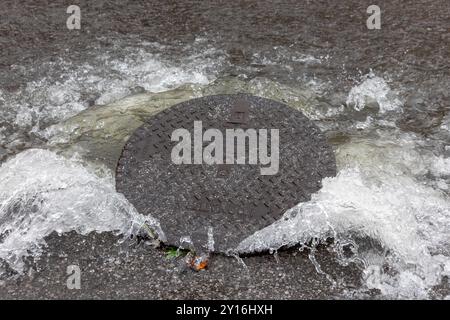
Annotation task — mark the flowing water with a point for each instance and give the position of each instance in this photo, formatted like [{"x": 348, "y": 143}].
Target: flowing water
[{"x": 387, "y": 210}]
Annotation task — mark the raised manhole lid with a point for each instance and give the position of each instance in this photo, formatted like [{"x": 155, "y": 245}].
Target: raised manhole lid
[{"x": 226, "y": 202}]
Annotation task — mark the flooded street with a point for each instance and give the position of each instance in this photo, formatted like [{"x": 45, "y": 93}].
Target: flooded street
[{"x": 69, "y": 99}]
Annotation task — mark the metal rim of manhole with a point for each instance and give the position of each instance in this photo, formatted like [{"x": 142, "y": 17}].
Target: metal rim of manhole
[{"x": 217, "y": 169}]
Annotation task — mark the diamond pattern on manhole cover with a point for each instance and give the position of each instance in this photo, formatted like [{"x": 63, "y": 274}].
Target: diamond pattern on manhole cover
[{"x": 235, "y": 200}]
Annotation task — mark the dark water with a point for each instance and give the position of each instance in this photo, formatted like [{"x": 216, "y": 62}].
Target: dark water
[{"x": 412, "y": 47}]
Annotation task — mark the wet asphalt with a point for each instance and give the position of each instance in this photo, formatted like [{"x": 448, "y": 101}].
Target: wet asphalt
[
  {"x": 415, "y": 42},
  {"x": 114, "y": 270}
]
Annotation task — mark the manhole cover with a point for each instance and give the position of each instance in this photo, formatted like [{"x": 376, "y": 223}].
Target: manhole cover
[{"x": 191, "y": 185}]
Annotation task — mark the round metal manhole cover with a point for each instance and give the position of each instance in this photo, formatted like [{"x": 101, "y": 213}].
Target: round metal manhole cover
[{"x": 222, "y": 167}]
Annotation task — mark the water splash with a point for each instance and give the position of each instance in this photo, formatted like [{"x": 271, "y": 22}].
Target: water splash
[
  {"x": 107, "y": 77},
  {"x": 379, "y": 193},
  {"x": 211, "y": 242},
  {"x": 389, "y": 189},
  {"x": 377, "y": 89},
  {"x": 41, "y": 192}
]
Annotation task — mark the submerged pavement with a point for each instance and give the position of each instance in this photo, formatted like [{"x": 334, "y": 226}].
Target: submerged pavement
[{"x": 143, "y": 272}]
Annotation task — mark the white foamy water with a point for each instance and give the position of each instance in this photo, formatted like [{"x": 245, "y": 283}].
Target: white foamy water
[
  {"x": 390, "y": 188},
  {"x": 379, "y": 193},
  {"x": 41, "y": 192},
  {"x": 106, "y": 78},
  {"x": 376, "y": 88}
]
